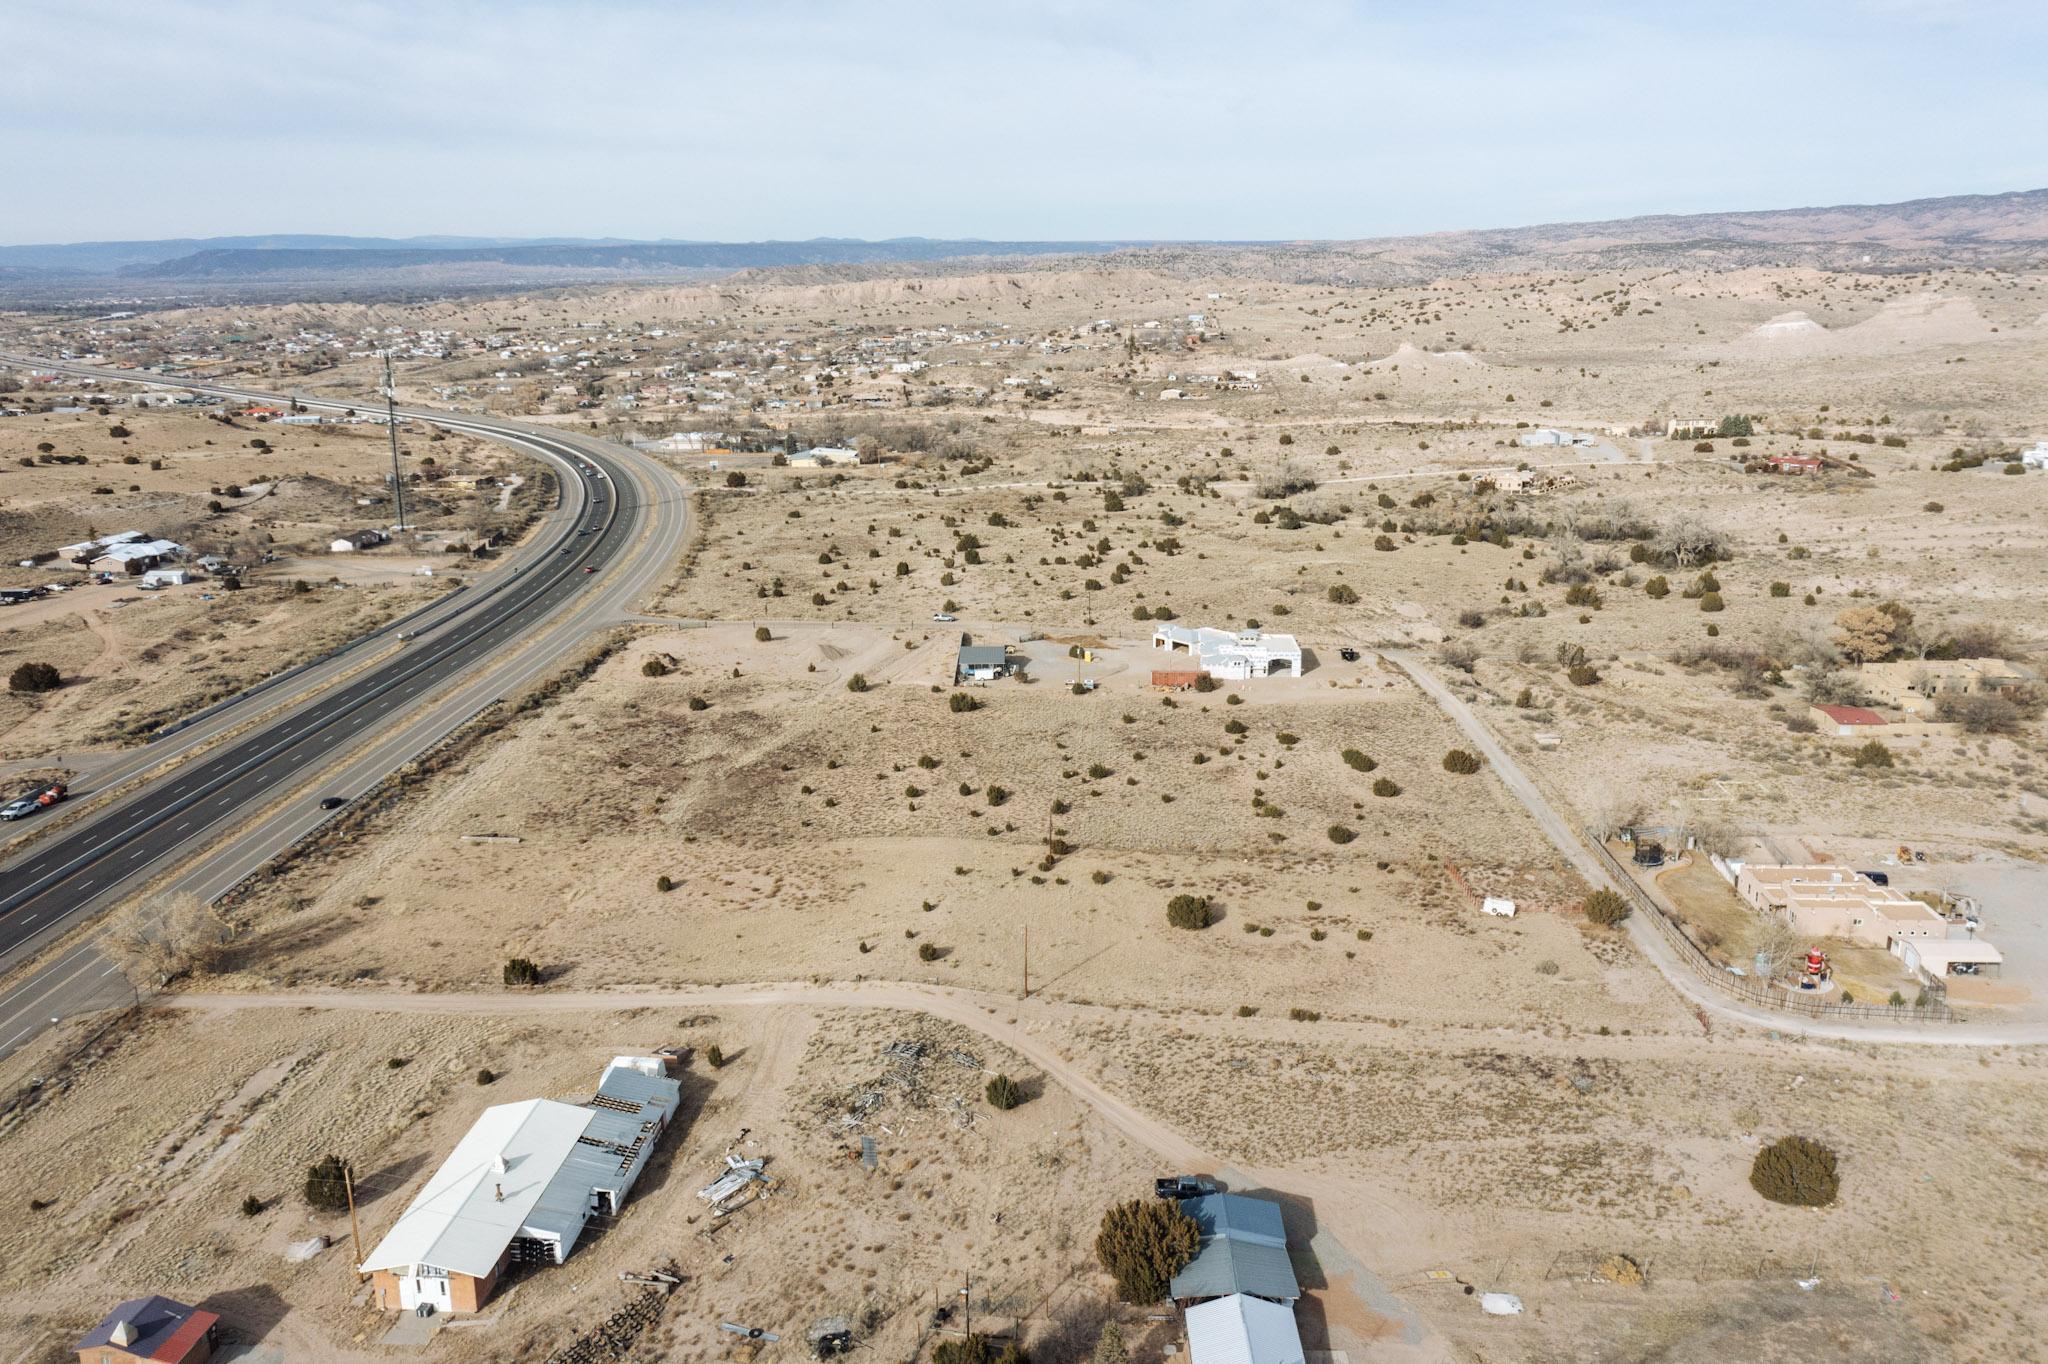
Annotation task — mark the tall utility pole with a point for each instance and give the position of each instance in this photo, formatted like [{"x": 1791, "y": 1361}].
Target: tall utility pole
[
  {"x": 348, "y": 1183},
  {"x": 391, "y": 425}
]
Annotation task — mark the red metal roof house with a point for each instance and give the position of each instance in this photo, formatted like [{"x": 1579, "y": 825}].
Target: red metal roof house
[{"x": 154, "y": 1329}]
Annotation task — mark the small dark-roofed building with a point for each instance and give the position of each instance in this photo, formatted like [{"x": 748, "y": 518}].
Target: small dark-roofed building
[
  {"x": 154, "y": 1328},
  {"x": 982, "y": 662},
  {"x": 1244, "y": 1250}
]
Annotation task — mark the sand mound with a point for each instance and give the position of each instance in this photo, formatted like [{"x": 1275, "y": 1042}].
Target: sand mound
[
  {"x": 1919, "y": 320},
  {"x": 1410, "y": 356},
  {"x": 1786, "y": 325}
]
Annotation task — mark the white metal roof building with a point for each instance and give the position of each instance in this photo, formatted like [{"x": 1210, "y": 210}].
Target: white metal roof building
[
  {"x": 486, "y": 1192},
  {"x": 1933, "y": 957},
  {"x": 1232, "y": 656},
  {"x": 525, "y": 1180},
  {"x": 130, "y": 550},
  {"x": 1243, "y": 1330}
]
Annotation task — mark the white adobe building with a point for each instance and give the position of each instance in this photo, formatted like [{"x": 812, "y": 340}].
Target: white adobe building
[{"x": 1232, "y": 657}]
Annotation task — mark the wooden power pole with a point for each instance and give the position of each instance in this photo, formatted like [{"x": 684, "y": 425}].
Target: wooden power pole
[{"x": 355, "y": 1235}]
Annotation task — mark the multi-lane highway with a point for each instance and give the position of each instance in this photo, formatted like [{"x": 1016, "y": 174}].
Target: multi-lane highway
[{"x": 224, "y": 811}]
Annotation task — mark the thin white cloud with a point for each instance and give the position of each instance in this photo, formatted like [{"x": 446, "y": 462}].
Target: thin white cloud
[{"x": 1207, "y": 118}]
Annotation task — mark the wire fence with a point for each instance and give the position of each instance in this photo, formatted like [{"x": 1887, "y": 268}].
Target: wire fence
[{"x": 1747, "y": 988}]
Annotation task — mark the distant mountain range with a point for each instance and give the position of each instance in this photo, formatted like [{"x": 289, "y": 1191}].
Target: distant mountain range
[
  {"x": 230, "y": 258},
  {"x": 1978, "y": 229}
]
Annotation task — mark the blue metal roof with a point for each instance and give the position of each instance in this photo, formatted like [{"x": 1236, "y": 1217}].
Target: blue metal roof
[
  {"x": 1238, "y": 1217},
  {"x": 1224, "y": 1266}
]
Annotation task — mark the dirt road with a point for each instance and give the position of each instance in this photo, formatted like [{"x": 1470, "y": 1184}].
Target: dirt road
[{"x": 1659, "y": 952}]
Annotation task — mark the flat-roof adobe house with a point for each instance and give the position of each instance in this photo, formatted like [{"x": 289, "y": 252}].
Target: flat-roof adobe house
[
  {"x": 1232, "y": 656},
  {"x": 1834, "y": 902}
]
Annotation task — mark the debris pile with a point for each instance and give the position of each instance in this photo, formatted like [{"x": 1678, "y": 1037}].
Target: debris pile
[
  {"x": 614, "y": 1339},
  {"x": 917, "y": 1075}
]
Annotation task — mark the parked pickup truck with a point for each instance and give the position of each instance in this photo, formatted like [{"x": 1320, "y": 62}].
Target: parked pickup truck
[{"x": 1184, "y": 1186}]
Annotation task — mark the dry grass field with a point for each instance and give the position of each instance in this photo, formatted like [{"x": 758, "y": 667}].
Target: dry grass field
[
  {"x": 772, "y": 782},
  {"x": 134, "y": 660}
]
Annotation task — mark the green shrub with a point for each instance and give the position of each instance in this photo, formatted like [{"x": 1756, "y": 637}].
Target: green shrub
[
  {"x": 1386, "y": 786},
  {"x": 34, "y": 677},
  {"x": 1002, "y": 1093},
  {"x": 664, "y": 884},
  {"x": 486, "y": 1076},
  {"x": 857, "y": 683},
  {"x": 252, "y": 1206},
  {"x": 699, "y": 703},
  {"x": 1797, "y": 1171},
  {"x": 929, "y": 951},
  {"x": 1354, "y": 759},
  {"x": 1873, "y": 754},
  {"x": 1460, "y": 762},
  {"x": 761, "y": 635},
  {"x": 1190, "y": 911},
  {"x": 1143, "y": 1243},
  {"x": 1781, "y": 589},
  {"x": 521, "y": 971},
  {"x": 1605, "y": 907},
  {"x": 960, "y": 703},
  {"x": 714, "y": 1057},
  {"x": 1341, "y": 835},
  {"x": 1711, "y": 601},
  {"x": 1343, "y": 594},
  {"x": 1582, "y": 675},
  {"x": 327, "y": 1184}
]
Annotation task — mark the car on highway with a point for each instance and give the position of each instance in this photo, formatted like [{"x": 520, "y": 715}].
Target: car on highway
[
  {"x": 590, "y": 568},
  {"x": 944, "y": 618},
  {"x": 18, "y": 809},
  {"x": 333, "y": 802}
]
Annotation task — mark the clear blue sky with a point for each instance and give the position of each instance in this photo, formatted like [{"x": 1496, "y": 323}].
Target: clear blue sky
[{"x": 954, "y": 118}]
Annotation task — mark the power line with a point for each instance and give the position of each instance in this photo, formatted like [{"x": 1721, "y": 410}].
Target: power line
[{"x": 391, "y": 424}]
